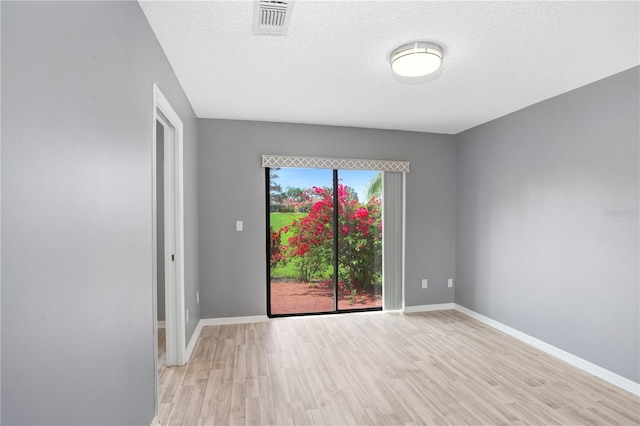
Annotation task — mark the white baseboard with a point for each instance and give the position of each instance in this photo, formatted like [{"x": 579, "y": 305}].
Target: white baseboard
[
  {"x": 604, "y": 374},
  {"x": 162, "y": 324},
  {"x": 429, "y": 308},
  {"x": 233, "y": 320},
  {"x": 192, "y": 342}
]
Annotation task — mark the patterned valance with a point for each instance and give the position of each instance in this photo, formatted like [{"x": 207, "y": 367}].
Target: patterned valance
[{"x": 334, "y": 163}]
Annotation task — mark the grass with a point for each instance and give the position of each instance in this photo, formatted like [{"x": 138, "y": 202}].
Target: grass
[{"x": 278, "y": 220}]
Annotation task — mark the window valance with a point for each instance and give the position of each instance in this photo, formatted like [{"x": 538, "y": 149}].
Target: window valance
[{"x": 334, "y": 163}]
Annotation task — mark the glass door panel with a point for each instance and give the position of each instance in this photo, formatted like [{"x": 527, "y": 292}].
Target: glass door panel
[
  {"x": 359, "y": 240},
  {"x": 301, "y": 236}
]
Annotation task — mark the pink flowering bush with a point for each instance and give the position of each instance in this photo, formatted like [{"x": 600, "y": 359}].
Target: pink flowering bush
[{"x": 359, "y": 239}]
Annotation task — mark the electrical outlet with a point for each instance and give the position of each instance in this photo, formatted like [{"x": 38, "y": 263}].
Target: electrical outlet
[
  {"x": 197, "y": 297},
  {"x": 425, "y": 283},
  {"x": 239, "y": 225},
  {"x": 450, "y": 282},
  {"x": 187, "y": 316}
]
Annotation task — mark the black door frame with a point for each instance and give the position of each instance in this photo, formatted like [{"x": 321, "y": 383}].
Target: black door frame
[{"x": 336, "y": 243}]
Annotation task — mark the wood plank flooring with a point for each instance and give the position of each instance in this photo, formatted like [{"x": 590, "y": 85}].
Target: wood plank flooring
[
  {"x": 162, "y": 350},
  {"x": 384, "y": 368}
]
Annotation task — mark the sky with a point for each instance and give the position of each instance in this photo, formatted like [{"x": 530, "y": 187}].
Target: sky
[{"x": 307, "y": 178}]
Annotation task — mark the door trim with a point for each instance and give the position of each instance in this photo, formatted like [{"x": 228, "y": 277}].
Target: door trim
[
  {"x": 174, "y": 217},
  {"x": 174, "y": 288}
]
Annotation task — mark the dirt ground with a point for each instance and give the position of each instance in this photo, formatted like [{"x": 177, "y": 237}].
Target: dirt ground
[{"x": 290, "y": 298}]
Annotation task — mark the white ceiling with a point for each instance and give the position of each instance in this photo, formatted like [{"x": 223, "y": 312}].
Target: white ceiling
[{"x": 332, "y": 68}]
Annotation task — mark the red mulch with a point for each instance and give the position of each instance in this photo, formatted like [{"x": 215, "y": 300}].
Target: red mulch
[{"x": 295, "y": 298}]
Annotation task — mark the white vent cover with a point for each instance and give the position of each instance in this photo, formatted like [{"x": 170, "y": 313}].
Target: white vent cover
[{"x": 271, "y": 17}]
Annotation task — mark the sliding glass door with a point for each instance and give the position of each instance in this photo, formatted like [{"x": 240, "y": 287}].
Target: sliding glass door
[
  {"x": 359, "y": 239},
  {"x": 324, "y": 233},
  {"x": 300, "y": 225}
]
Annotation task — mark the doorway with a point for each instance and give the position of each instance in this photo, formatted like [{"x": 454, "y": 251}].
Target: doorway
[
  {"x": 160, "y": 249},
  {"x": 324, "y": 233},
  {"x": 168, "y": 235}
]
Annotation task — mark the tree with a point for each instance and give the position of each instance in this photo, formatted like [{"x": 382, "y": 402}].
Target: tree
[
  {"x": 275, "y": 190},
  {"x": 359, "y": 238},
  {"x": 351, "y": 193},
  {"x": 374, "y": 187},
  {"x": 293, "y": 192}
]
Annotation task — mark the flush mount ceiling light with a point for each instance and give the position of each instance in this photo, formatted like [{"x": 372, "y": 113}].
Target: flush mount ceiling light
[{"x": 416, "y": 59}]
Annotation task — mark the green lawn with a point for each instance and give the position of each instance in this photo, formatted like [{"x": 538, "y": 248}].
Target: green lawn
[{"x": 277, "y": 221}]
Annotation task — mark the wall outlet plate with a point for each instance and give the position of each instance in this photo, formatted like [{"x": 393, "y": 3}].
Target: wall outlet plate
[
  {"x": 450, "y": 282},
  {"x": 425, "y": 283}
]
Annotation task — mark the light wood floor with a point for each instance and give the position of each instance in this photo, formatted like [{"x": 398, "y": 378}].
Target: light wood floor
[
  {"x": 162, "y": 350},
  {"x": 384, "y": 368}
]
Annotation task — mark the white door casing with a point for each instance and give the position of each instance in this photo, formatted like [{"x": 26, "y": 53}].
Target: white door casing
[{"x": 173, "y": 228}]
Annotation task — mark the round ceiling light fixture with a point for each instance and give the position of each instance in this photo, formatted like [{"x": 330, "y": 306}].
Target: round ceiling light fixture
[{"x": 416, "y": 59}]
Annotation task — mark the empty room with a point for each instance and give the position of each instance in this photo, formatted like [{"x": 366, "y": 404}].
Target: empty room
[{"x": 315, "y": 212}]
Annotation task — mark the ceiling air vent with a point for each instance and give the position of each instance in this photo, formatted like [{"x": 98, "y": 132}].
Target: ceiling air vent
[{"x": 271, "y": 17}]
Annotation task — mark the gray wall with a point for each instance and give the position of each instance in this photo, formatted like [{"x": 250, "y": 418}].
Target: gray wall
[
  {"x": 77, "y": 321},
  {"x": 547, "y": 222},
  {"x": 232, "y": 187}
]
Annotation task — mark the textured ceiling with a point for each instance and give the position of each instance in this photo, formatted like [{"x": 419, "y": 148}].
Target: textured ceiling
[{"x": 332, "y": 68}]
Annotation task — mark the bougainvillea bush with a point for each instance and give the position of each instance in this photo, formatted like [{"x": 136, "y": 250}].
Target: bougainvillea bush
[{"x": 311, "y": 246}]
